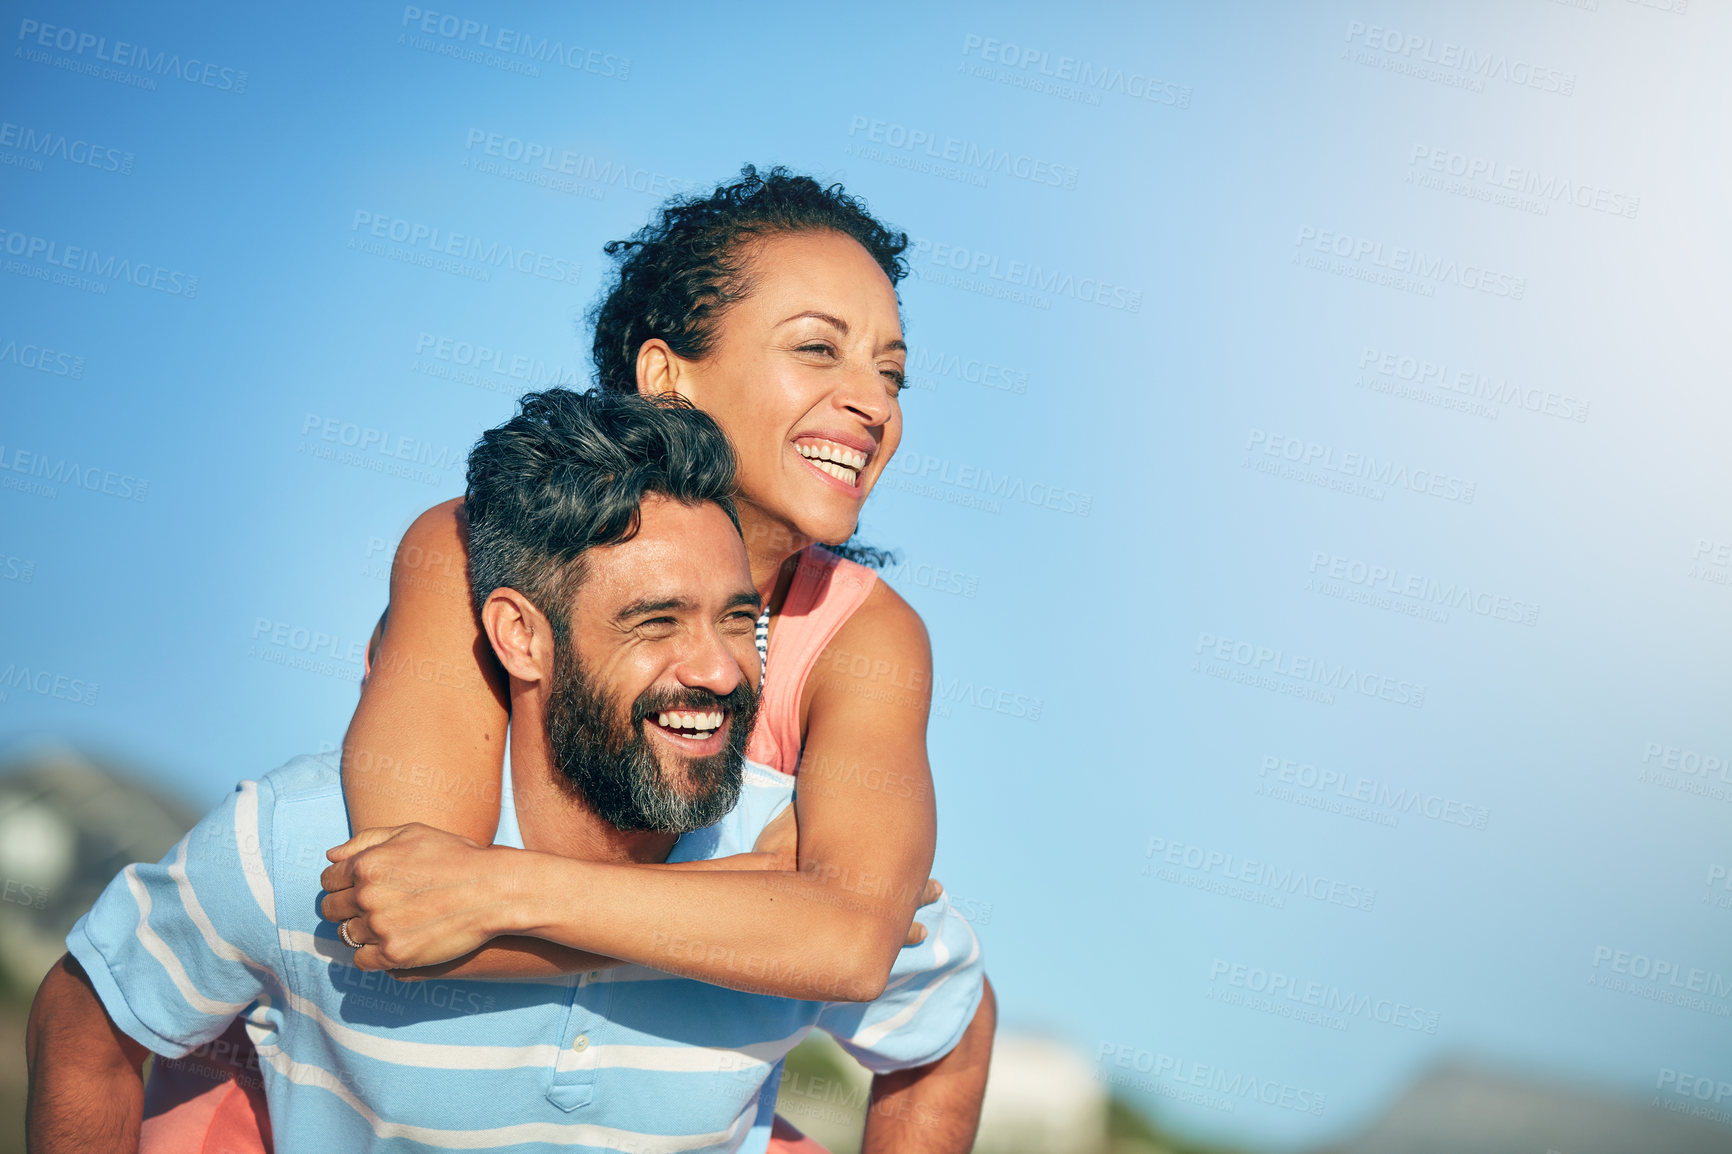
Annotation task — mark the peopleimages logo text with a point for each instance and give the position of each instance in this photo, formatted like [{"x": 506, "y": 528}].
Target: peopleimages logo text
[
  {"x": 1337, "y": 675},
  {"x": 1481, "y": 66},
  {"x": 1024, "y": 274},
  {"x": 1358, "y": 466},
  {"x": 1075, "y": 70},
  {"x": 1430, "y": 590},
  {"x": 514, "y": 42},
  {"x": 999, "y": 161},
  {"x": 1527, "y": 181},
  {"x": 1280, "y": 879},
  {"x": 578, "y": 165},
  {"x": 90, "y": 262},
  {"x": 59, "y": 146},
  {"x": 1410, "y": 262},
  {"x": 125, "y": 55},
  {"x": 464, "y": 246},
  {"x": 67, "y": 471}
]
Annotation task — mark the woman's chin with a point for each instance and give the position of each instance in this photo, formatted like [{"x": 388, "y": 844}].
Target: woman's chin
[
  {"x": 826, "y": 528},
  {"x": 791, "y": 534},
  {"x": 832, "y": 537}
]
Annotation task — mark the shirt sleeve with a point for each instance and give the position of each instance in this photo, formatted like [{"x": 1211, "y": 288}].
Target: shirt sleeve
[
  {"x": 176, "y": 949},
  {"x": 933, "y": 991}
]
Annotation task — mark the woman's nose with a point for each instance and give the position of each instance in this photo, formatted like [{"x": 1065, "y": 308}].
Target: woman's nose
[{"x": 864, "y": 393}]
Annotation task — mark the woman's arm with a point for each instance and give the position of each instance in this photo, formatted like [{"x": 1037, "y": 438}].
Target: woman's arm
[
  {"x": 428, "y": 738},
  {"x": 830, "y": 930}
]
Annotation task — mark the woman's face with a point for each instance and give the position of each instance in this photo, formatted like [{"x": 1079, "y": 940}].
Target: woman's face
[{"x": 803, "y": 377}]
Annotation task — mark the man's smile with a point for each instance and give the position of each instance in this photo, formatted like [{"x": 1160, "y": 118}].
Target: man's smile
[{"x": 694, "y": 733}]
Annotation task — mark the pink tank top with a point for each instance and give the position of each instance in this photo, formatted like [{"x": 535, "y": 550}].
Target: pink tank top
[{"x": 824, "y": 594}]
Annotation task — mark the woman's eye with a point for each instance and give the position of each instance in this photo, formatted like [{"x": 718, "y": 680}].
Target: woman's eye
[
  {"x": 826, "y": 350},
  {"x": 896, "y": 377}
]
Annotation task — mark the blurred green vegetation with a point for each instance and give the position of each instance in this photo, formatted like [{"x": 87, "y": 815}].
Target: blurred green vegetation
[
  {"x": 824, "y": 1093},
  {"x": 14, "y": 1010}
]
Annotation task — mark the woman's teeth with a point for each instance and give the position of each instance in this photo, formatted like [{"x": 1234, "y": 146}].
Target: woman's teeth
[
  {"x": 839, "y": 461},
  {"x": 846, "y": 476},
  {"x": 700, "y": 724}
]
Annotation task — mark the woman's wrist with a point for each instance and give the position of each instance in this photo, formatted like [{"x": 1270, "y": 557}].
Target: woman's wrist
[
  {"x": 510, "y": 905},
  {"x": 533, "y": 890}
]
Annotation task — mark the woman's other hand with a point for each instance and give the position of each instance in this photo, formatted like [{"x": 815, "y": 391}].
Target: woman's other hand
[
  {"x": 779, "y": 844},
  {"x": 780, "y": 841}
]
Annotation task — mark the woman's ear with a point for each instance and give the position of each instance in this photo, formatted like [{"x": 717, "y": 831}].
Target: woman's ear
[
  {"x": 521, "y": 636},
  {"x": 659, "y": 369}
]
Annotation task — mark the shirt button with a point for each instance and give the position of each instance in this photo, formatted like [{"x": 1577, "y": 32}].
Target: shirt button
[{"x": 581, "y": 1044}]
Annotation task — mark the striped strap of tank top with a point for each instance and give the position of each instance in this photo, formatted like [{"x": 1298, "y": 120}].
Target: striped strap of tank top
[{"x": 763, "y": 640}]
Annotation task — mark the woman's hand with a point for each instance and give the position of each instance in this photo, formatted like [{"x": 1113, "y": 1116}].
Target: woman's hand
[
  {"x": 779, "y": 844},
  {"x": 932, "y": 891},
  {"x": 413, "y": 895}
]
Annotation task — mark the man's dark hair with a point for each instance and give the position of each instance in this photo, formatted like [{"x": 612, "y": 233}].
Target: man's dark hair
[
  {"x": 568, "y": 473},
  {"x": 678, "y": 274}
]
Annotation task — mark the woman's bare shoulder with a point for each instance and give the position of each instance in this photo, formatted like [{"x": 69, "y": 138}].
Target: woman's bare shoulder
[
  {"x": 885, "y": 642},
  {"x": 886, "y": 617},
  {"x": 443, "y": 522}
]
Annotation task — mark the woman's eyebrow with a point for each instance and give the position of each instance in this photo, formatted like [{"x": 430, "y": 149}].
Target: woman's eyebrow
[{"x": 841, "y": 326}]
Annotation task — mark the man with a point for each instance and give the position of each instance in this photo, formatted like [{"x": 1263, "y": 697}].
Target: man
[{"x": 622, "y": 610}]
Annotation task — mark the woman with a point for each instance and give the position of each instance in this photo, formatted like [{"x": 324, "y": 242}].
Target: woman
[{"x": 771, "y": 304}]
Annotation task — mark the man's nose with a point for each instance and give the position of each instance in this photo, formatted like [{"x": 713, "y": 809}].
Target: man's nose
[{"x": 709, "y": 664}]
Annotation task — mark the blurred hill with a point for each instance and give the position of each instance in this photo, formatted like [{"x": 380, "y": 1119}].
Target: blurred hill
[
  {"x": 1042, "y": 1099},
  {"x": 1460, "y": 1108}
]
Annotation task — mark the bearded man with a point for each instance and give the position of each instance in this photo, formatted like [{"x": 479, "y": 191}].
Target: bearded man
[{"x": 613, "y": 585}]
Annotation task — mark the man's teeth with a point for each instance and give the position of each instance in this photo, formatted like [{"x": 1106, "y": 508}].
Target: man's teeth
[
  {"x": 839, "y": 461},
  {"x": 702, "y": 724}
]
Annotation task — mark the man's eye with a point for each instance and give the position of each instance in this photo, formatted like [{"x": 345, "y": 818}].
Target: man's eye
[{"x": 656, "y": 626}]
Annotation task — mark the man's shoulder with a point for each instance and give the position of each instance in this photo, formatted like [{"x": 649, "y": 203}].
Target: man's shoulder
[
  {"x": 763, "y": 794},
  {"x": 309, "y": 777},
  {"x": 280, "y": 817}
]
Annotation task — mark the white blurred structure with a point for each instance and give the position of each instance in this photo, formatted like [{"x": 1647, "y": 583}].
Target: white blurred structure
[
  {"x": 67, "y": 825},
  {"x": 1041, "y": 1098}
]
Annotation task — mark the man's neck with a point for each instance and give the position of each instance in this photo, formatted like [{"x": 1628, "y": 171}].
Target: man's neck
[{"x": 551, "y": 817}]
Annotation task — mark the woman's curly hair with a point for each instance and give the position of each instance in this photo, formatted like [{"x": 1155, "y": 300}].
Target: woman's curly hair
[{"x": 676, "y": 276}]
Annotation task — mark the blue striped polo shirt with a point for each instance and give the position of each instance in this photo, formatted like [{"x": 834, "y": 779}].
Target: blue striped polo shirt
[{"x": 626, "y": 1059}]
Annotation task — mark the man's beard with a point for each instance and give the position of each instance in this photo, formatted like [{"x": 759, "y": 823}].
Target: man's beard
[{"x": 613, "y": 767}]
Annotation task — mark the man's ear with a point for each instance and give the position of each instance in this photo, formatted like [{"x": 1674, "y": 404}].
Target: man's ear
[
  {"x": 660, "y": 370},
  {"x": 521, "y": 636}
]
